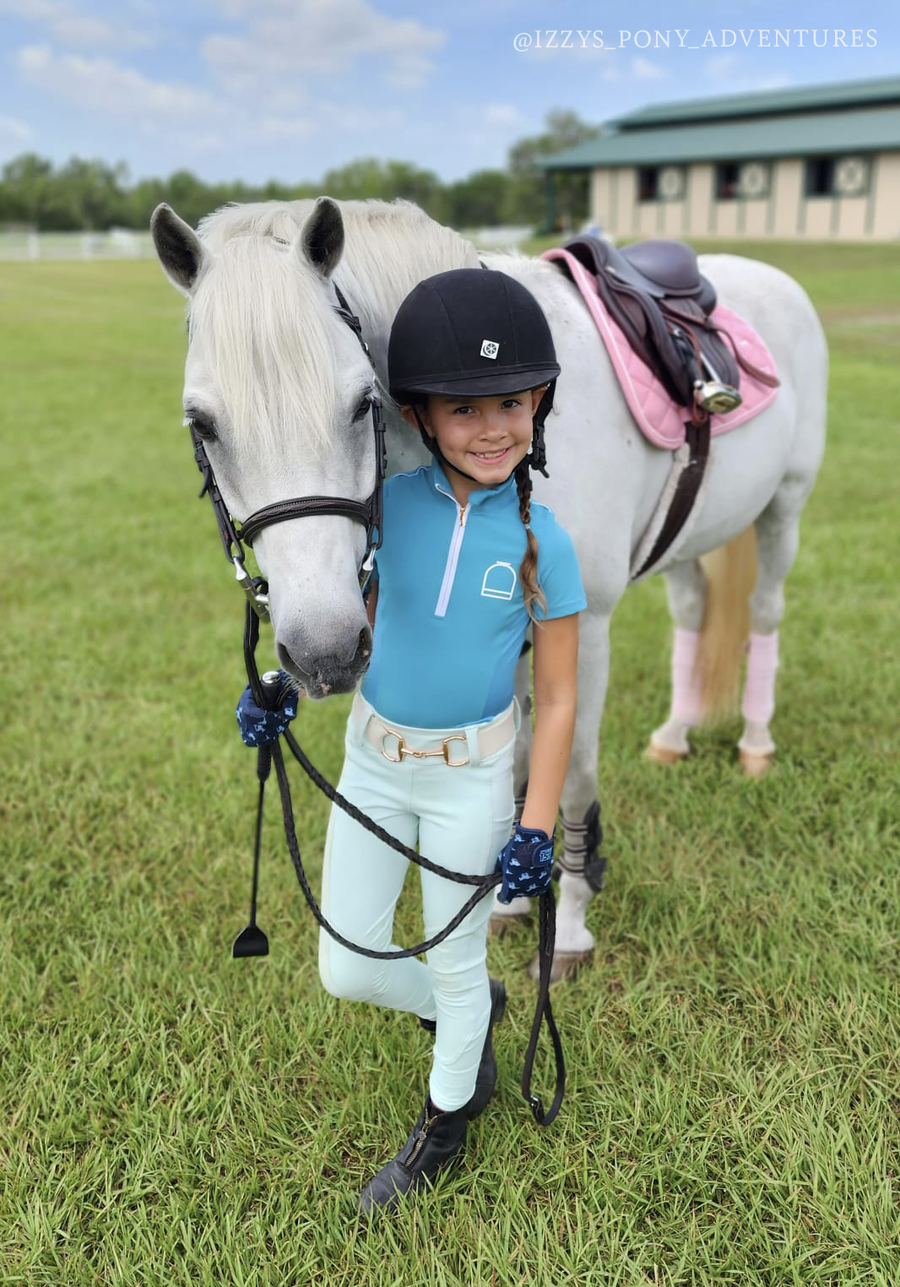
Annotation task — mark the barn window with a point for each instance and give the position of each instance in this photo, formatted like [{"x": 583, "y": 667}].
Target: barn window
[
  {"x": 648, "y": 183},
  {"x": 837, "y": 176},
  {"x": 661, "y": 183},
  {"x": 728, "y": 179},
  {"x": 820, "y": 176}
]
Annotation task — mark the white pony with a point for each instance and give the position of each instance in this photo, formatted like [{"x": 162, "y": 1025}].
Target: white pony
[{"x": 278, "y": 385}]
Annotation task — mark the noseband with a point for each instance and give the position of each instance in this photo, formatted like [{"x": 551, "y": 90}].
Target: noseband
[{"x": 367, "y": 512}]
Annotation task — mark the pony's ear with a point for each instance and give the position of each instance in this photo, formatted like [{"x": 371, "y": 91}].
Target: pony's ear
[
  {"x": 322, "y": 237},
  {"x": 179, "y": 248}
]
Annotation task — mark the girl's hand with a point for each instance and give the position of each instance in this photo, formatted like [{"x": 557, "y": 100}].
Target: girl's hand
[
  {"x": 526, "y": 862},
  {"x": 261, "y": 727}
]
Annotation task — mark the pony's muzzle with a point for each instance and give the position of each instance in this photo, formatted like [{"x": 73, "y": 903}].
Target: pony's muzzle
[{"x": 323, "y": 675}]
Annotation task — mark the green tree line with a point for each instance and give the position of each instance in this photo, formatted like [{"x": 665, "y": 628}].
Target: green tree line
[{"x": 92, "y": 195}]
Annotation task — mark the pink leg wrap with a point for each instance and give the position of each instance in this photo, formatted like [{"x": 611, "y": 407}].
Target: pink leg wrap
[
  {"x": 685, "y": 685},
  {"x": 759, "y": 686}
]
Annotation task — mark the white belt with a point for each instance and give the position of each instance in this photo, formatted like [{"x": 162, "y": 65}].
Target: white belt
[{"x": 457, "y": 747}]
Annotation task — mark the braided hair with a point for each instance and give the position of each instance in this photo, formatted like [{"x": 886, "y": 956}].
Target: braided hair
[{"x": 528, "y": 569}]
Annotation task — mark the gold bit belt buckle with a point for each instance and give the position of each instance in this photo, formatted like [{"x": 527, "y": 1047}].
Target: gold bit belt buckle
[{"x": 443, "y": 750}]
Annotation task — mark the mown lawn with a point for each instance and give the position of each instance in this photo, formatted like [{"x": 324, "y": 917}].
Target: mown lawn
[{"x": 171, "y": 1116}]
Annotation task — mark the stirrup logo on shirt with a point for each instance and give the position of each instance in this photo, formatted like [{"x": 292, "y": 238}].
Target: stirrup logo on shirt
[
  {"x": 499, "y": 581},
  {"x": 489, "y": 348}
]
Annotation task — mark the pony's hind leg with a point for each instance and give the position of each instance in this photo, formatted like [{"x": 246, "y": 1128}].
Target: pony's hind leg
[
  {"x": 686, "y": 591},
  {"x": 777, "y": 537}
]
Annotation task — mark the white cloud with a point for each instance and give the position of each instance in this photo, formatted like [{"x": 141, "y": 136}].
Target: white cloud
[
  {"x": 101, "y": 85},
  {"x": 13, "y": 131},
  {"x": 502, "y": 115},
  {"x": 643, "y": 69},
  {"x": 721, "y": 65},
  {"x": 68, "y": 24},
  {"x": 280, "y": 127},
  {"x": 321, "y": 37},
  {"x": 350, "y": 119}
]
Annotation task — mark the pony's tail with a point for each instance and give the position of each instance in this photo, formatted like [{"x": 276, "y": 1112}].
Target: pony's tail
[{"x": 730, "y": 578}]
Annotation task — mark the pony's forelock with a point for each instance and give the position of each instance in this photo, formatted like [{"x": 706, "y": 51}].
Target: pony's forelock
[{"x": 264, "y": 321}]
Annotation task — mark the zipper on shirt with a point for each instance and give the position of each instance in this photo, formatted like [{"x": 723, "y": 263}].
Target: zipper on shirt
[{"x": 456, "y": 541}]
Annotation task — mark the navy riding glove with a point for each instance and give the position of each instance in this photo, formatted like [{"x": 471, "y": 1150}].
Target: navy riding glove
[
  {"x": 526, "y": 862},
  {"x": 262, "y": 727}
]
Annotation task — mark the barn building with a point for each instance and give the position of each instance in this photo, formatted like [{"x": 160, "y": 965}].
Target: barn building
[{"x": 820, "y": 163}]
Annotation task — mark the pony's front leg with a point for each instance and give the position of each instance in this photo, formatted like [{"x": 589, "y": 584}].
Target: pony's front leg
[
  {"x": 504, "y": 916},
  {"x": 686, "y": 591},
  {"x": 580, "y": 865}
]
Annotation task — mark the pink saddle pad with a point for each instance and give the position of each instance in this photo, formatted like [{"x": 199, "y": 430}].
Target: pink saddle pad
[{"x": 657, "y": 415}]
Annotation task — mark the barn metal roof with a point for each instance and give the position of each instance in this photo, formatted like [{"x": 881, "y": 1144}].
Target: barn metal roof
[
  {"x": 842, "y": 94},
  {"x": 861, "y": 116}
]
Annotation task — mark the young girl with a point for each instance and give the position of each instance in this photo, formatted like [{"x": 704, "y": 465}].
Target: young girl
[{"x": 466, "y": 564}]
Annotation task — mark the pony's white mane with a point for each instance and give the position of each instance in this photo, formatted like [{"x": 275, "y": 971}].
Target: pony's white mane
[
  {"x": 391, "y": 246},
  {"x": 266, "y": 313}
]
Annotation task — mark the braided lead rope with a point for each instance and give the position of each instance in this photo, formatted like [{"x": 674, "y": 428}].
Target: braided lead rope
[
  {"x": 543, "y": 1010},
  {"x": 485, "y": 883}
]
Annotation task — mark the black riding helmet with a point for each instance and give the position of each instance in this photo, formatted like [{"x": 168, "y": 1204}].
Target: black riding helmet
[{"x": 474, "y": 333}]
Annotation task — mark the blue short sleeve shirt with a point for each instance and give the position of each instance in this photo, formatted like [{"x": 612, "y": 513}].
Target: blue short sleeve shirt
[{"x": 451, "y": 617}]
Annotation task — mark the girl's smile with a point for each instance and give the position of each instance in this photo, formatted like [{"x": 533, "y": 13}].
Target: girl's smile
[{"x": 485, "y": 438}]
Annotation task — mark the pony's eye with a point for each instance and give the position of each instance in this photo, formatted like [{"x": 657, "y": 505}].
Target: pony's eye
[
  {"x": 203, "y": 426},
  {"x": 363, "y": 409}
]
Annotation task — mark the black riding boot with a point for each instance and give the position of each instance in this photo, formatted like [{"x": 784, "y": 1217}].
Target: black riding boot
[
  {"x": 434, "y": 1142},
  {"x": 487, "y": 1069}
]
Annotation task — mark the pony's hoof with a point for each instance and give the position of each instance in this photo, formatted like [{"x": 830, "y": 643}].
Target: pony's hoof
[
  {"x": 499, "y": 925},
  {"x": 565, "y": 965},
  {"x": 663, "y": 754},
  {"x": 756, "y": 764}
]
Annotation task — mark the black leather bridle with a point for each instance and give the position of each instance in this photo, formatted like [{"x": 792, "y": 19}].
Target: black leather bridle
[{"x": 367, "y": 512}]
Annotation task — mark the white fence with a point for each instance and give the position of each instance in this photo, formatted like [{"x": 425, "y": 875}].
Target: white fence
[
  {"x": 125, "y": 243},
  {"x": 117, "y": 243}
]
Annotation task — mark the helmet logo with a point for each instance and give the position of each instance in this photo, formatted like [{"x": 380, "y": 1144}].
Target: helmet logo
[{"x": 489, "y": 348}]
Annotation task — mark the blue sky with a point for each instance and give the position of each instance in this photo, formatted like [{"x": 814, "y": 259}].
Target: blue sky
[{"x": 286, "y": 89}]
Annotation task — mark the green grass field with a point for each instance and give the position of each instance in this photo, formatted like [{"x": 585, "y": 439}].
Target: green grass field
[{"x": 171, "y": 1116}]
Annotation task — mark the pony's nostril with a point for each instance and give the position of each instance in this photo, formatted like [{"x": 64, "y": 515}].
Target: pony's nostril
[{"x": 365, "y": 642}]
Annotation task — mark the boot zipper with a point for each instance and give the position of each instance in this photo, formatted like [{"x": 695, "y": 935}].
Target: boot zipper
[{"x": 420, "y": 1139}]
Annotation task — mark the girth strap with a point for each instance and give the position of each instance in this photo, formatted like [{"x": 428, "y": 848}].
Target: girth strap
[{"x": 686, "y": 491}]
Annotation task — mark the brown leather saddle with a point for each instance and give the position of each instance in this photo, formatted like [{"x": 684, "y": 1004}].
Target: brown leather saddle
[{"x": 656, "y": 294}]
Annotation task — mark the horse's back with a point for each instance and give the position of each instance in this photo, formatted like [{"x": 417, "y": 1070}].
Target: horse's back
[{"x": 776, "y": 305}]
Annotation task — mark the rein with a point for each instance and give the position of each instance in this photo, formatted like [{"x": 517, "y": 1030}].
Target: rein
[{"x": 369, "y": 513}]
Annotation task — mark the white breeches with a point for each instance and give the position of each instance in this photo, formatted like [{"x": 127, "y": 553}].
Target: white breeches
[{"x": 461, "y": 818}]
